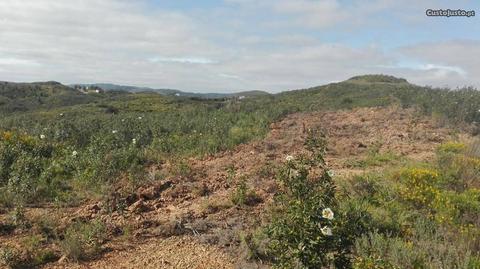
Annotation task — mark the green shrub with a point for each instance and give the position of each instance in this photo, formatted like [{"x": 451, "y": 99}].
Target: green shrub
[
  {"x": 82, "y": 240},
  {"x": 231, "y": 174},
  {"x": 243, "y": 195},
  {"x": 460, "y": 166},
  {"x": 392, "y": 250},
  {"x": 182, "y": 168},
  {"x": 47, "y": 227},
  {"x": 18, "y": 217},
  {"x": 304, "y": 233},
  {"x": 375, "y": 157},
  {"x": 36, "y": 253}
]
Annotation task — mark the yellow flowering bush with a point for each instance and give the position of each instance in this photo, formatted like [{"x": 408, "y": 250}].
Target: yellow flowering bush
[
  {"x": 419, "y": 186},
  {"x": 7, "y": 136}
]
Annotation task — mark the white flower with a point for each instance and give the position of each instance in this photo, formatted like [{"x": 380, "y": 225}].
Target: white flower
[
  {"x": 114, "y": 131},
  {"x": 326, "y": 231},
  {"x": 42, "y": 136},
  {"x": 74, "y": 153},
  {"x": 327, "y": 213},
  {"x": 289, "y": 158},
  {"x": 134, "y": 141},
  {"x": 330, "y": 173},
  {"x": 140, "y": 118}
]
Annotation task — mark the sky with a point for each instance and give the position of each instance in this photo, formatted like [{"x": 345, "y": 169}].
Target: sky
[{"x": 236, "y": 45}]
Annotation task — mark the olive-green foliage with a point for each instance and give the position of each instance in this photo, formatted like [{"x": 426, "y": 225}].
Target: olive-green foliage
[
  {"x": 378, "y": 79},
  {"x": 375, "y": 158},
  {"x": 36, "y": 254},
  {"x": 82, "y": 240},
  {"x": 428, "y": 247},
  {"x": 30, "y": 254},
  {"x": 459, "y": 165},
  {"x": 243, "y": 195},
  {"x": 9, "y": 257},
  {"x": 255, "y": 245}
]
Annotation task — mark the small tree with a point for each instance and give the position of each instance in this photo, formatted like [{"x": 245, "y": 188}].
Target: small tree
[{"x": 306, "y": 231}]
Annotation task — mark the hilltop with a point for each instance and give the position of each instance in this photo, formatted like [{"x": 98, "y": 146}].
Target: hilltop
[
  {"x": 377, "y": 79},
  {"x": 22, "y": 97}
]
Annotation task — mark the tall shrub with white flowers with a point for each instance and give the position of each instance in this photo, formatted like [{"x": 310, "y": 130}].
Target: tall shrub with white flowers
[{"x": 305, "y": 231}]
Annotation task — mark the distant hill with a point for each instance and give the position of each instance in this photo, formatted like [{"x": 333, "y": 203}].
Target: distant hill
[
  {"x": 30, "y": 96},
  {"x": 366, "y": 90},
  {"x": 23, "y": 97},
  {"x": 358, "y": 91},
  {"x": 172, "y": 92}
]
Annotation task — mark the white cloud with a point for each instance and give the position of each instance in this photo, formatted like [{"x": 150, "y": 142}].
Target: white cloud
[
  {"x": 95, "y": 40},
  {"x": 444, "y": 68},
  {"x": 305, "y": 66},
  {"x": 183, "y": 60},
  {"x": 451, "y": 63},
  {"x": 17, "y": 62},
  {"x": 229, "y": 76}
]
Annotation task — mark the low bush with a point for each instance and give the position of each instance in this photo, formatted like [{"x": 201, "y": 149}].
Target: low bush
[
  {"x": 83, "y": 240},
  {"x": 243, "y": 195},
  {"x": 10, "y": 257},
  {"x": 459, "y": 165},
  {"x": 255, "y": 246},
  {"x": 428, "y": 247}
]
